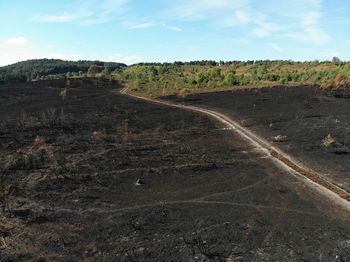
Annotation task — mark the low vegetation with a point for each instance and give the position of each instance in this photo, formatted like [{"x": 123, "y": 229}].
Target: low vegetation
[
  {"x": 163, "y": 79},
  {"x": 158, "y": 79}
]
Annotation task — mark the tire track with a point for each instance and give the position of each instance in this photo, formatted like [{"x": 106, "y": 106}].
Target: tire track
[{"x": 210, "y": 202}]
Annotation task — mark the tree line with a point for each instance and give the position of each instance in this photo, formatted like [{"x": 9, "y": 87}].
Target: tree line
[
  {"x": 42, "y": 69},
  {"x": 168, "y": 78}
]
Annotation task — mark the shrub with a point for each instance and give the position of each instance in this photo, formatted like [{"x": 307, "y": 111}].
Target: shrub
[
  {"x": 95, "y": 69},
  {"x": 341, "y": 81}
]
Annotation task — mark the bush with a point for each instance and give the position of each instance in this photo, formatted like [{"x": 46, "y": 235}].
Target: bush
[
  {"x": 341, "y": 81},
  {"x": 95, "y": 69},
  {"x": 231, "y": 79}
]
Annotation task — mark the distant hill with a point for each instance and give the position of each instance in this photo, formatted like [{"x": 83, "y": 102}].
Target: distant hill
[{"x": 40, "y": 69}]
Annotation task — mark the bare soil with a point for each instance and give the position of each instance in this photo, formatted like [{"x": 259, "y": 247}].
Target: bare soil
[
  {"x": 296, "y": 119},
  {"x": 93, "y": 175}
]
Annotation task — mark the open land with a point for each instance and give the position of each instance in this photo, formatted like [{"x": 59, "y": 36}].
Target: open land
[
  {"x": 295, "y": 119},
  {"x": 98, "y": 176}
]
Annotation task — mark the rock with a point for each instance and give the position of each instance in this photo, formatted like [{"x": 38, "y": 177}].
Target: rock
[
  {"x": 139, "y": 182},
  {"x": 280, "y": 138}
]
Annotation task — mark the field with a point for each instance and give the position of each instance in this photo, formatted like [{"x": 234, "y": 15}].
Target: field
[
  {"x": 298, "y": 120},
  {"x": 90, "y": 174}
]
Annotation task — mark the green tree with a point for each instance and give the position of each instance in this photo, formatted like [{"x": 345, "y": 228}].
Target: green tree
[
  {"x": 335, "y": 60},
  {"x": 231, "y": 79}
]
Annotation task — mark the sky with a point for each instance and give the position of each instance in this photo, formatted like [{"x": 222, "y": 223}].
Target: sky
[{"x": 132, "y": 31}]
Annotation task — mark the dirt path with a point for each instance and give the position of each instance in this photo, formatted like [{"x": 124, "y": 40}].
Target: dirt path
[{"x": 338, "y": 195}]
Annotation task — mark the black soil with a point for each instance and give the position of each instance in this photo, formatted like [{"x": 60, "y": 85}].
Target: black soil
[
  {"x": 96, "y": 176},
  {"x": 296, "y": 120}
]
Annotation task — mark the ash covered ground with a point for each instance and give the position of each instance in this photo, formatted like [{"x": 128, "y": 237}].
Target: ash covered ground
[{"x": 96, "y": 176}]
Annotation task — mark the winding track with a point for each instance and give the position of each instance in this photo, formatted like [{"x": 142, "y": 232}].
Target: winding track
[{"x": 335, "y": 193}]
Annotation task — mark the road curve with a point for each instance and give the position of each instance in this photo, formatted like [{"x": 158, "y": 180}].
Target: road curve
[{"x": 284, "y": 161}]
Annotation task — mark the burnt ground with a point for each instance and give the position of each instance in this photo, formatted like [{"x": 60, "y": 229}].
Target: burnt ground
[
  {"x": 302, "y": 117},
  {"x": 71, "y": 164}
]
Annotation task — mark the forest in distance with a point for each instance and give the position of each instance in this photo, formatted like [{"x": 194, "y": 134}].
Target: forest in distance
[{"x": 170, "y": 78}]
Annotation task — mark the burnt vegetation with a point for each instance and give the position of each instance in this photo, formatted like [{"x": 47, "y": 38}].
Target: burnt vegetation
[{"x": 89, "y": 174}]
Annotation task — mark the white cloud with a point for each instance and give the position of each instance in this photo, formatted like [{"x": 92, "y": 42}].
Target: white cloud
[
  {"x": 314, "y": 3},
  {"x": 172, "y": 27},
  {"x": 146, "y": 25},
  {"x": 262, "y": 20},
  {"x": 265, "y": 29},
  {"x": 233, "y": 40},
  {"x": 15, "y": 49},
  {"x": 87, "y": 12},
  {"x": 195, "y": 10},
  {"x": 64, "y": 56},
  {"x": 242, "y": 17},
  {"x": 224, "y": 13},
  {"x": 142, "y": 25},
  {"x": 239, "y": 17},
  {"x": 14, "y": 54},
  {"x": 64, "y": 17},
  {"x": 276, "y": 47},
  {"x": 311, "y": 26},
  {"x": 126, "y": 59},
  {"x": 312, "y": 32},
  {"x": 261, "y": 33},
  {"x": 17, "y": 41}
]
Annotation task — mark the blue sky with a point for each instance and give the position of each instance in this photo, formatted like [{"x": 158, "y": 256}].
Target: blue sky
[{"x": 132, "y": 31}]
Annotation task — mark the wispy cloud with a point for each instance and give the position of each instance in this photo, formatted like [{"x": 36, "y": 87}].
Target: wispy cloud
[
  {"x": 239, "y": 18},
  {"x": 311, "y": 26},
  {"x": 265, "y": 29},
  {"x": 172, "y": 27},
  {"x": 146, "y": 25},
  {"x": 243, "y": 17},
  {"x": 87, "y": 12},
  {"x": 64, "y": 17},
  {"x": 17, "y": 41},
  {"x": 126, "y": 59},
  {"x": 16, "y": 49},
  {"x": 312, "y": 31},
  {"x": 142, "y": 25},
  {"x": 64, "y": 56},
  {"x": 262, "y": 21},
  {"x": 276, "y": 47},
  {"x": 196, "y": 10}
]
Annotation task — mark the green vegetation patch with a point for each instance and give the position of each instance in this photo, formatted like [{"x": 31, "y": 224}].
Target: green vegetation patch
[
  {"x": 158, "y": 79},
  {"x": 164, "y": 79}
]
